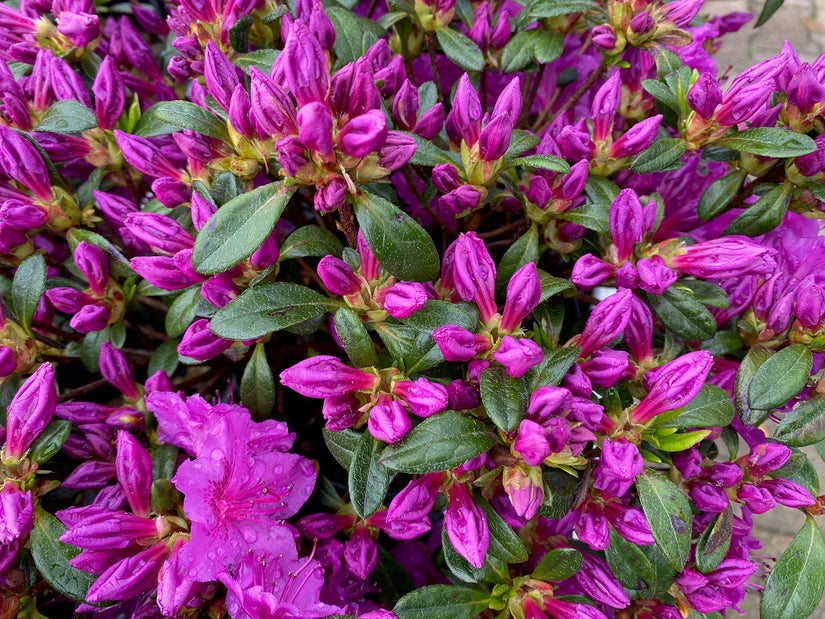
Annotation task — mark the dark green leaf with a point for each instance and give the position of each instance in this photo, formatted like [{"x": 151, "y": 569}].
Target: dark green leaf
[
  {"x": 818, "y": 189},
  {"x": 460, "y": 566},
  {"x": 186, "y": 115},
  {"x": 629, "y": 564},
  {"x": 558, "y": 564},
  {"x": 311, "y": 241},
  {"x": 150, "y": 126},
  {"x": 560, "y": 491},
  {"x": 520, "y": 141},
  {"x": 658, "y": 156},
  {"x": 504, "y": 397},
  {"x": 683, "y": 314},
  {"x": 547, "y": 45},
  {"x": 795, "y": 585},
  {"x": 442, "y": 602},
  {"x": 763, "y": 215},
  {"x": 349, "y": 33},
  {"x": 715, "y": 540},
  {"x": 551, "y": 286},
  {"x": 460, "y": 49},
  {"x": 804, "y": 425},
  {"x": 67, "y": 117},
  {"x": 662, "y": 93},
  {"x": 239, "y": 33},
  {"x": 27, "y": 288},
  {"x": 426, "y": 153},
  {"x": 799, "y": 470},
  {"x": 439, "y": 443},
  {"x": 549, "y": 319},
  {"x": 518, "y": 52},
  {"x": 524, "y": 250},
  {"x": 780, "y": 378},
  {"x": 711, "y": 408},
  {"x": 668, "y": 513},
  {"x": 768, "y": 9},
  {"x": 719, "y": 194},
  {"x": 723, "y": 343},
  {"x": 164, "y": 358},
  {"x": 238, "y": 228},
  {"x": 225, "y": 187},
  {"x": 552, "y": 369},
  {"x": 342, "y": 445},
  {"x": 592, "y": 215},
  {"x": 354, "y": 338},
  {"x": 258, "y": 385},
  {"x": 51, "y": 556},
  {"x": 707, "y": 293},
  {"x": 90, "y": 348},
  {"x": 666, "y": 62},
  {"x": 757, "y": 355},
  {"x": 182, "y": 311},
  {"x": 542, "y": 162},
  {"x": 368, "y": 478},
  {"x": 555, "y": 8},
  {"x": 401, "y": 246},
  {"x": 392, "y": 579},
  {"x": 267, "y": 308},
  {"x": 261, "y": 59},
  {"x": 50, "y": 440},
  {"x": 505, "y": 543},
  {"x": 770, "y": 142}
]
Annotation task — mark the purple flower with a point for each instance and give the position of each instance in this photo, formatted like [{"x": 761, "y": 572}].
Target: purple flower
[
  {"x": 388, "y": 421},
  {"x": 17, "y": 509},
  {"x": 636, "y": 139},
  {"x": 531, "y": 442},
  {"x": 674, "y": 385},
  {"x": 590, "y": 271},
  {"x": 604, "y": 107},
  {"x": 144, "y": 156},
  {"x": 110, "y": 94},
  {"x": 338, "y": 276},
  {"x": 626, "y": 223},
  {"x": 198, "y": 342},
  {"x": 729, "y": 256},
  {"x": 518, "y": 356},
  {"x": 315, "y": 127},
  {"x": 523, "y": 294},
  {"x": 134, "y": 473},
  {"x": 30, "y": 411},
  {"x": 363, "y": 134},
  {"x": 424, "y": 398},
  {"x": 619, "y": 464},
  {"x": 474, "y": 274},
  {"x": 116, "y": 370},
  {"x": 430, "y": 122},
  {"x": 607, "y": 321},
  {"x": 705, "y": 95},
  {"x": 654, "y": 275},
  {"x": 466, "y": 526},
  {"x": 92, "y": 262},
  {"x": 79, "y": 28},
  {"x": 464, "y": 119},
  {"x": 403, "y": 298},
  {"x": 324, "y": 376},
  {"x": 405, "y": 107},
  {"x": 305, "y": 66}
]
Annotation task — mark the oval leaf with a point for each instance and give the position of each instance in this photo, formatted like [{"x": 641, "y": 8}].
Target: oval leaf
[
  {"x": 50, "y": 440},
  {"x": 756, "y": 356},
  {"x": 442, "y": 602},
  {"x": 770, "y": 142},
  {"x": 258, "y": 385},
  {"x": 504, "y": 397},
  {"x": 311, "y": 241},
  {"x": 27, "y": 288},
  {"x": 667, "y": 510},
  {"x": 558, "y": 564},
  {"x": 780, "y": 378},
  {"x": 67, "y": 116},
  {"x": 368, "y": 479},
  {"x": 460, "y": 49},
  {"x": 683, "y": 314},
  {"x": 711, "y": 408},
  {"x": 186, "y": 115},
  {"x": 354, "y": 338},
  {"x": 804, "y": 425}
]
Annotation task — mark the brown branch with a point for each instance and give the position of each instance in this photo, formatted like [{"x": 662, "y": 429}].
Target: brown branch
[
  {"x": 534, "y": 88},
  {"x": 348, "y": 224},
  {"x": 434, "y": 67},
  {"x": 42, "y": 326},
  {"x": 87, "y": 388}
]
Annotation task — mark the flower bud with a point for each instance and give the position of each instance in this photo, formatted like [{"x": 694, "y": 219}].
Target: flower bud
[
  {"x": 474, "y": 274},
  {"x": 22, "y": 162},
  {"x": 767, "y": 457},
  {"x": 416, "y": 500},
  {"x": 619, "y": 464},
  {"x": 466, "y": 526},
  {"x": 162, "y": 233},
  {"x": 788, "y": 493},
  {"x": 338, "y": 276},
  {"x": 66, "y": 84},
  {"x": 340, "y": 412},
  {"x": 324, "y": 376},
  {"x": 273, "y": 109},
  {"x": 705, "y": 95},
  {"x": 603, "y": 37},
  {"x": 405, "y": 107},
  {"x": 605, "y": 367},
  {"x": 674, "y": 385},
  {"x": 458, "y": 344},
  {"x": 18, "y": 510},
  {"x": 315, "y": 127},
  {"x": 93, "y": 264},
  {"x": 525, "y": 489},
  {"x": 403, "y": 298},
  {"x": 219, "y": 73},
  {"x": 548, "y": 401},
  {"x": 430, "y": 122},
  {"x": 161, "y": 271},
  {"x": 523, "y": 294},
  {"x": 30, "y": 411},
  {"x": 144, "y": 156},
  {"x": 361, "y": 553},
  {"x": 91, "y": 317},
  {"x": 397, "y": 151},
  {"x": 729, "y": 256},
  {"x": 388, "y": 422},
  {"x": 464, "y": 198},
  {"x": 115, "y": 369},
  {"x": 199, "y": 343},
  {"x": 110, "y": 94},
  {"x": 494, "y": 139},
  {"x": 636, "y": 139},
  {"x": 518, "y": 356},
  {"x": 756, "y": 499},
  {"x": 607, "y": 321},
  {"x": 134, "y": 473},
  {"x": 813, "y": 163},
  {"x": 463, "y": 396},
  {"x": 590, "y": 271},
  {"x": 79, "y": 28},
  {"x": 423, "y": 397},
  {"x": 531, "y": 442},
  {"x": 605, "y": 106},
  {"x": 638, "y": 334},
  {"x": 305, "y": 66},
  {"x": 464, "y": 119},
  {"x": 479, "y": 32},
  {"x": 501, "y": 31},
  {"x": 363, "y": 134},
  {"x": 654, "y": 275}
]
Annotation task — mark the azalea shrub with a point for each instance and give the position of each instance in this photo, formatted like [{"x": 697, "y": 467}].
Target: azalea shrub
[{"x": 423, "y": 310}]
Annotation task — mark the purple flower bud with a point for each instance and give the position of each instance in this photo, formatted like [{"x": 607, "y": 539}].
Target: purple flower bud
[
  {"x": 445, "y": 177},
  {"x": 324, "y": 526},
  {"x": 729, "y": 256},
  {"x": 574, "y": 142},
  {"x": 202, "y": 210},
  {"x": 573, "y": 183},
  {"x": 626, "y": 223},
  {"x": 590, "y": 271},
  {"x": 161, "y": 271},
  {"x": 68, "y": 300},
  {"x": 315, "y": 127},
  {"x": 479, "y": 32},
  {"x": 363, "y": 95},
  {"x": 604, "y": 107},
  {"x": 548, "y": 401},
  {"x": 8, "y": 361},
  {"x": 619, "y": 464},
  {"x": 523, "y": 294},
  {"x": 464, "y": 119},
  {"x": 463, "y": 395},
  {"x": 593, "y": 529},
  {"x": 240, "y": 112},
  {"x": 363, "y": 134},
  {"x": 324, "y": 376},
  {"x": 22, "y": 162},
  {"x": 66, "y": 84},
  {"x": 137, "y": 51},
  {"x": 93, "y": 264},
  {"x": 18, "y": 511},
  {"x": 809, "y": 308},
  {"x": 135, "y": 573},
  {"x": 474, "y": 274},
  {"x": 501, "y": 31},
  {"x": 709, "y": 498},
  {"x": 603, "y": 37},
  {"x": 805, "y": 91},
  {"x": 458, "y": 344},
  {"x": 116, "y": 370},
  {"x": 531, "y": 442},
  {"x": 638, "y": 334},
  {"x": 758, "y": 500},
  {"x": 813, "y": 163},
  {"x": 170, "y": 192},
  {"x": 272, "y": 107},
  {"x": 416, "y": 500},
  {"x": 338, "y": 276},
  {"x": 636, "y": 139},
  {"x": 110, "y": 94},
  {"x": 605, "y": 367},
  {"x": 200, "y": 343},
  {"x": 466, "y": 526},
  {"x": 369, "y": 264},
  {"x": 495, "y": 138},
  {"x": 405, "y": 107},
  {"x": 388, "y": 422},
  {"x": 291, "y": 155},
  {"x": 654, "y": 275},
  {"x": 464, "y": 198},
  {"x": 508, "y": 105},
  {"x": 305, "y": 66},
  {"x": 144, "y": 156},
  {"x": 397, "y": 151},
  {"x": 518, "y": 356},
  {"x": 134, "y": 472},
  {"x": 525, "y": 489},
  {"x": 219, "y": 73},
  {"x": 675, "y": 384},
  {"x": 92, "y": 317},
  {"x": 160, "y": 232},
  {"x": 577, "y": 382},
  {"x": 741, "y": 103},
  {"x": 680, "y": 12},
  {"x": 631, "y": 524},
  {"x": 30, "y": 411},
  {"x": 767, "y": 457},
  {"x": 424, "y": 398},
  {"x": 150, "y": 21},
  {"x": 321, "y": 26},
  {"x": 403, "y": 299},
  {"x": 21, "y": 216},
  {"x": 430, "y": 122},
  {"x": 340, "y": 412},
  {"x": 705, "y": 95},
  {"x": 330, "y": 196},
  {"x": 607, "y": 321},
  {"x": 361, "y": 553},
  {"x": 725, "y": 474},
  {"x": 79, "y": 28},
  {"x": 788, "y": 493}
]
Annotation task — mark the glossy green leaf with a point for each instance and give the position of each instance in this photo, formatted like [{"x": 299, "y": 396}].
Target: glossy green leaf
[
  {"x": 757, "y": 355},
  {"x": 795, "y": 585},
  {"x": 354, "y": 338},
  {"x": 542, "y": 162},
  {"x": 629, "y": 564},
  {"x": 711, "y": 408},
  {"x": 659, "y": 155},
  {"x": 718, "y": 195},
  {"x": 258, "y": 385},
  {"x": 438, "y": 443},
  {"x": 714, "y": 542},
  {"x": 342, "y": 445},
  {"x": 186, "y": 115},
  {"x": 164, "y": 358},
  {"x": 460, "y": 49},
  {"x": 552, "y": 368},
  {"x": 51, "y": 556},
  {"x": 768, "y": 9},
  {"x": 27, "y": 287},
  {"x": 560, "y": 490},
  {"x": 267, "y": 308},
  {"x": 591, "y": 215},
  {"x": 504, "y": 397},
  {"x": 525, "y": 249},
  {"x": 67, "y": 116},
  {"x": 668, "y": 513},
  {"x": 505, "y": 543},
  {"x": 804, "y": 425},
  {"x": 349, "y": 33},
  {"x": 558, "y": 564},
  {"x": 426, "y": 153},
  {"x": 238, "y": 228},
  {"x": 50, "y": 440},
  {"x": 662, "y": 93},
  {"x": 770, "y": 142},
  {"x": 261, "y": 59},
  {"x": 311, "y": 241},
  {"x": 368, "y": 478},
  {"x": 182, "y": 311},
  {"x": 552, "y": 285},
  {"x": 442, "y": 602},
  {"x": 679, "y": 310},
  {"x": 763, "y": 215},
  {"x": 520, "y": 141},
  {"x": 780, "y": 378}
]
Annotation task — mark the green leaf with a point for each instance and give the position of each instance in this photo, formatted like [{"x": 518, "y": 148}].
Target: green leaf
[
  {"x": 707, "y": 293},
  {"x": 225, "y": 187},
  {"x": 368, "y": 478},
  {"x": 505, "y": 543},
  {"x": 524, "y": 250},
  {"x": 818, "y": 189},
  {"x": 768, "y": 9},
  {"x": 401, "y": 246},
  {"x": 668, "y": 513},
  {"x": 547, "y": 45},
  {"x": 795, "y": 585},
  {"x": 680, "y": 441},
  {"x": 683, "y": 314},
  {"x": 770, "y": 142},
  {"x": 426, "y": 153},
  {"x": 723, "y": 343},
  {"x": 439, "y": 443},
  {"x": 460, "y": 49},
  {"x": 349, "y": 34},
  {"x": 658, "y": 156},
  {"x": 667, "y": 62},
  {"x": 780, "y": 378},
  {"x": 355, "y": 339},
  {"x": 804, "y": 425},
  {"x": 799, "y": 470},
  {"x": 629, "y": 564},
  {"x": 261, "y": 59},
  {"x": 342, "y": 445},
  {"x": 50, "y": 440},
  {"x": 239, "y": 33},
  {"x": 182, "y": 311},
  {"x": 117, "y": 261},
  {"x": 504, "y": 397},
  {"x": 764, "y": 214},
  {"x": 186, "y": 115},
  {"x": 558, "y": 564},
  {"x": 519, "y": 51},
  {"x": 520, "y": 141},
  {"x": 311, "y": 241},
  {"x": 238, "y": 228},
  {"x": 51, "y": 556},
  {"x": 67, "y": 117},
  {"x": 662, "y": 93},
  {"x": 719, "y": 194},
  {"x": 27, "y": 288},
  {"x": 714, "y": 542},
  {"x": 711, "y": 408},
  {"x": 267, "y": 308},
  {"x": 460, "y": 566},
  {"x": 556, "y": 8},
  {"x": 560, "y": 491},
  {"x": 150, "y": 126},
  {"x": 757, "y": 355},
  {"x": 552, "y": 285},
  {"x": 90, "y": 348},
  {"x": 258, "y": 385},
  {"x": 552, "y": 369},
  {"x": 542, "y": 162},
  {"x": 164, "y": 358},
  {"x": 442, "y": 602},
  {"x": 592, "y": 215}
]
